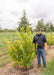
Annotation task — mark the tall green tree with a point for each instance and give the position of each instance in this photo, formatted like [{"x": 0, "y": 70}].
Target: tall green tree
[
  {"x": 40, "y": 25},
  {"x": 51, "y": 27},
  {"x": 24, "y": 22},
  {"x": 46, "y": 27}
]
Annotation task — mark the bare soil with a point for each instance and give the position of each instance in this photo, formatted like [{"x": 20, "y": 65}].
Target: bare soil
[{"x": 33, "y": 70}]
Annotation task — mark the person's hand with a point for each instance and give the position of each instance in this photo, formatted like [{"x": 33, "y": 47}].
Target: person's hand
[
  {"x": 46, "y": 48},
  {"x": 46, "y": 51}
]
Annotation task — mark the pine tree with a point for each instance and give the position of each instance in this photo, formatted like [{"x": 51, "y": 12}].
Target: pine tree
[
  {"x": 51, "y": 27},
  {"x": 24, "y": 22},
  {"x": 40, "y": 25}
]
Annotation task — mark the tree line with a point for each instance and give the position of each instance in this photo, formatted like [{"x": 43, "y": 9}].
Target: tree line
[{"x": 45, "y": 27}]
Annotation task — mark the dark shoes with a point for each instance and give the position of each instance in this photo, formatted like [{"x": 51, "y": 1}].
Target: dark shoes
[
  {"x": 38, "y": 66},
  {"x": 45, "y": 66}
]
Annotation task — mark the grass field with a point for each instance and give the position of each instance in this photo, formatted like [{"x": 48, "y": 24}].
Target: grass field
[{"x": 50, "y": 69}]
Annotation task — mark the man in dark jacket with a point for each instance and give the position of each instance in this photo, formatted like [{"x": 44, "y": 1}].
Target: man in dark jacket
[{"x": 42, "y": 46}]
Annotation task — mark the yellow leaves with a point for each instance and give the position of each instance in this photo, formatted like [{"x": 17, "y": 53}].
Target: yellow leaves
[
  {"x": 8, "y": 46},
  {"x": 11, "y": 42},
  {"x": 6, "y": 41},
  {"x": 50, "y": 39},
  {"x": 16, "y": 40},
  {"x": 27, "y": 28},
  {"x": 0, "y": 61},
  {"x": 22, "y": 29},
  {"x": 24, "y": 67},
  {"x": 17, "y": 33}
]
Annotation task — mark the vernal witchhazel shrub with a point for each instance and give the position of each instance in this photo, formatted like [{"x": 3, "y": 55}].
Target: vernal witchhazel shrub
[{"x": 22, "y": 51}]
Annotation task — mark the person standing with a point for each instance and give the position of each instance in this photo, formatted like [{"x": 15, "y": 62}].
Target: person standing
[{"x": 41, "y": 40}]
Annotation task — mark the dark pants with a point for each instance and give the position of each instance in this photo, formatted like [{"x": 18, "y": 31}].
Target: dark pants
[{"x": 41, "y": 52}]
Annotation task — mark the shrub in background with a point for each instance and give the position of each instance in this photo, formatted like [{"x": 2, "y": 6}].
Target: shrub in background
[{"x": 50, "y": 39}]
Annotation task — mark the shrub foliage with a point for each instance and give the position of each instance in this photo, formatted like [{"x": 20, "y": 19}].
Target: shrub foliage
[
  {"x": 50, "y": 39},
  {"x": 22, "y": 51}
]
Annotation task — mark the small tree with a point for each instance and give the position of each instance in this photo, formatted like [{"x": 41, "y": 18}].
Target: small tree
[{"x": 22, "y": 51}]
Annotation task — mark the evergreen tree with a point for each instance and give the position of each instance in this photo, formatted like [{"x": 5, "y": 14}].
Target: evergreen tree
[
  {"x": 51, "y": 27},
  {"x": 40, "y": 25},
  {"x": 24, "y": 22},
  {"x": 46, "y": 27}
]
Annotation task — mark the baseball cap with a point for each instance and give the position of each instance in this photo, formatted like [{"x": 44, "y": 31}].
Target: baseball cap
[{"x": 38, "y": 30}]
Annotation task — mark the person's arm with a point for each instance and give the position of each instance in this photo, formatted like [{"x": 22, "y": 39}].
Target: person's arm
[
  {"x": 45, "y": 41},
  {"x": 45, "y": 45}
]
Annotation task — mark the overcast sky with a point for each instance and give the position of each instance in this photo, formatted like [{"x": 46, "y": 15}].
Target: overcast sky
[{"x": 11, "y": 11}]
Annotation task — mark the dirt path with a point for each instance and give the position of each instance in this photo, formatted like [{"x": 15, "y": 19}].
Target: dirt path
[{"x": 8, "y": 70}]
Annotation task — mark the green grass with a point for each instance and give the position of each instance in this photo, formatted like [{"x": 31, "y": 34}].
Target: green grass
[
  {"x": 3, "y": 46},
  {"x": 11, "y": 36},
  {"x": 50, "y": 69},
  {"x": 4, "y": 62},
  {"x": 8, "y": 35},
  {"x": 3, "y": 53}
]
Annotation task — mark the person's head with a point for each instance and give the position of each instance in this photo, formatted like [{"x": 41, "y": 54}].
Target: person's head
[{"x": 38, "y": 31}]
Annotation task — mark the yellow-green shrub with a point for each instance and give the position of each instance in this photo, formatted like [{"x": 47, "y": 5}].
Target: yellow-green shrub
[{"x": 22, "y": 51}]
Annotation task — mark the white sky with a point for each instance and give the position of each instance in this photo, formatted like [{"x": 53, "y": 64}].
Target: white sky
[{"x": 11, "y": 11}]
